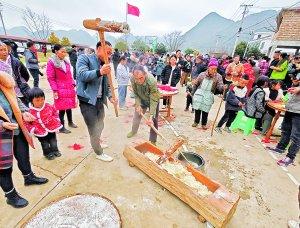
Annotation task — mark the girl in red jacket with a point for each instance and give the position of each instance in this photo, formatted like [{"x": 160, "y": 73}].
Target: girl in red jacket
[{"x": 46, "y": 125}]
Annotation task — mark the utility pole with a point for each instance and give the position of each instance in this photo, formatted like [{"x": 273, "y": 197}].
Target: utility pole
[
  {"x": 241, "y": 26},
  {"x": 218, "y": 37},
  {"x": 1, "y": 17}
]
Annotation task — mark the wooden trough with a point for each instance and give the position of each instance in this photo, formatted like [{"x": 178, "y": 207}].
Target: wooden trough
[{"x": 216, "y": 208}]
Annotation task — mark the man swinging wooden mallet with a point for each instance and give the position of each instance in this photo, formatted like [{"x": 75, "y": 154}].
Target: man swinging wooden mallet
[
  {"x": 94, "y": 83},
  {"x": 107, "y": 26}
]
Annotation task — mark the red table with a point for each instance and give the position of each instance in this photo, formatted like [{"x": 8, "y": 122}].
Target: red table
[{"x": 168, "y": 95}]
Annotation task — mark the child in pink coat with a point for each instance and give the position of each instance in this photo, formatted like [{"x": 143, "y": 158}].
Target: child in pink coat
[{"x": 46, "y": 125}]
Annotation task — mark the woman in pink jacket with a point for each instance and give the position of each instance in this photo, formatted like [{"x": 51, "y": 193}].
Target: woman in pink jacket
[{"x": 59, "y": 74}]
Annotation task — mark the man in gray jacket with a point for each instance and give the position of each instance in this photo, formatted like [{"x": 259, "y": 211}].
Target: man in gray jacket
[
  {"x": 32, "y": 62},
  {"x": 290, "y": 129},
  {"x": 93, "y": 91}
]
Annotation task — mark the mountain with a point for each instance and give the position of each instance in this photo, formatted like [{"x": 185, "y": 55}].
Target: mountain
[
  {"x": 210, "y": 33},
  {"x": 214, "y": 31},
  {"x": 76, "y": 36}
]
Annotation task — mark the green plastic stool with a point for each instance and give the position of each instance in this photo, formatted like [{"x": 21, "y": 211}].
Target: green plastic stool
[{"x": 244, "y": 123}]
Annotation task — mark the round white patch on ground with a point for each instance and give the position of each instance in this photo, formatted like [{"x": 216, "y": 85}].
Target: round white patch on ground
[{"x": 78, "y": 211}]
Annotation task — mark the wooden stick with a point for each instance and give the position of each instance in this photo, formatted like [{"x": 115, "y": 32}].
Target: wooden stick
[
  {"x": 156, "y": 131},
  {"x": 167, "y": 141},
  {"x": 215, "y": 120},
  {"x": 106, "y": 61}
]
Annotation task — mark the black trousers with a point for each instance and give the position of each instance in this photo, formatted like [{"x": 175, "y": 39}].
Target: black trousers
[
  {"x": 189, "y": 101},
  {"x": 198, "y": 115},
  {"x": 6, "y": 182},
  {"x": 94, "y": 119},
  {"x": 21, "y": 153},
  {"x": 36, "y": 78},
  {"x": 290, "y": 134},
  {"x": 49, "y": 143},
  {"x": 62, "y": 116},
  {"x": 227, "y": 118}
]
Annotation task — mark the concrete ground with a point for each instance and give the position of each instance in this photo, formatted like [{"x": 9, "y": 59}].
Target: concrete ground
[{"x": 268, "y": 195}]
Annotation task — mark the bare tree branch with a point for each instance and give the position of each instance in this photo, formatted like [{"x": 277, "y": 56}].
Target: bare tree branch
[
  {"x": 38, "y": 24},
  {"x": 173, "y": 40}
]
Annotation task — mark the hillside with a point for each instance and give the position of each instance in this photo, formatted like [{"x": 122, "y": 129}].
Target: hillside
[{"x": 214, "y": 30}]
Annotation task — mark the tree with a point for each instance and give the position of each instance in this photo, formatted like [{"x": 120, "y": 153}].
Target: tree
[
  {"x": 240, "y": 48},
  {"x": 189, "y": 51},
  {"x": 140, "y": 45},
  {"x": 121, "y": 45},
  {"x": 53, "y": 39},
  {"x": 38, "y": 24},
  {"x": 160, "y": 49},
  {"x": 254, "y": 51},
  {"x": 173, "y": 40},
  {"x": 65, "y": 41}
]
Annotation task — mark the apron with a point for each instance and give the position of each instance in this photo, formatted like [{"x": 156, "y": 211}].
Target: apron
[{"x": 203, "y": 98}]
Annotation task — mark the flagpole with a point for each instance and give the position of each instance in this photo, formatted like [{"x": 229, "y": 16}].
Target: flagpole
[
  {"x": 126, "y": 10},
  {"x": 126, "y": 22}
]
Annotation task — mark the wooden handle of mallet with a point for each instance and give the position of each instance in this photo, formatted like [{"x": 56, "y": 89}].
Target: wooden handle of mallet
[
  {"x": 156, "y": 131},
  {"x": 106, "y": 61},
  {"x": 215, "y": 120}
]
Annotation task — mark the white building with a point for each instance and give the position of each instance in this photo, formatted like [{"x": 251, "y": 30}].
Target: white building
[{"x": 262, "y": 40}]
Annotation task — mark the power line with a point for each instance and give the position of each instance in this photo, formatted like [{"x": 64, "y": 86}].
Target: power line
[
  {"x": 246, "y": 6},
  {"x": 270, "y": 17},
  {"x": 22, "y": 10},
  {"x": 1, "y": 16}
]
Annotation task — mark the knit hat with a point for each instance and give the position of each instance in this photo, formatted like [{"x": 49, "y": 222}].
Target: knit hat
[{"x": 213, "y": 62}]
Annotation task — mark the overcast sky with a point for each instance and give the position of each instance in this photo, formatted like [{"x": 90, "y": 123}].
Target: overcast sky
[{"x": 157, "y": 16}]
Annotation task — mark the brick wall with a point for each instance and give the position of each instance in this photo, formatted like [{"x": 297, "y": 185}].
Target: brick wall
[{"x": 289, "y": 29}]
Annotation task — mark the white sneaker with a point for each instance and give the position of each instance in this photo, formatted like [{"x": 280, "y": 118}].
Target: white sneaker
[
  {"x": 293, "y": 224},
  {"x": 104, "y": 157},
  {"x": 103, "y": 145}
]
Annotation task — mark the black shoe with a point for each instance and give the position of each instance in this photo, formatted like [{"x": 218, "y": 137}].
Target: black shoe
[
  {"x": 258, "y": 128},
  {"x": 276, "y": 150},
  {"x": 72, "y": 125},
  {"x": 57, "y": 153},
  {"x": 50, "y": 156},
  {"x": 64, "y": 130},
  {"x": 15, "y": 200},
  {"x": 34, "y": 180}
]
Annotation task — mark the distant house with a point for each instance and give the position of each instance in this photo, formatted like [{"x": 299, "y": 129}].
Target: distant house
[
  {"x": 21, "y": 42},
  {"x": 288, "y": 31},
  {"x": 262, "y": 40}
]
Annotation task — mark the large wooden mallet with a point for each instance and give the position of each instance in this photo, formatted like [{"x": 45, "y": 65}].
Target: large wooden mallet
[{"x": 107, "y": 26}]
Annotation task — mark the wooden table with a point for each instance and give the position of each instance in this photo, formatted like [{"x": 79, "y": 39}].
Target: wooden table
[
  {"x": 279, "y": 107},
  {"x": 168, "y": 95}
]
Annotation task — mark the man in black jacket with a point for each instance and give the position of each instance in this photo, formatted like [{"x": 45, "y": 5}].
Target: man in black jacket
[
  {"x": 115, "y": 59},
  {"x": 186, "y": 70},
  {"x": 73, "y": 59}
]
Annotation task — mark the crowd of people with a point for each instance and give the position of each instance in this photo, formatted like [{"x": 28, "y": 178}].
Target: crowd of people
[
  {"x": 246, "y": 84},
  {"x": 79, "y": 79}
]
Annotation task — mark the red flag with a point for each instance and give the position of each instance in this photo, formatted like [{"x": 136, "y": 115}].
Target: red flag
[{"x": 133, "y": 10}]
